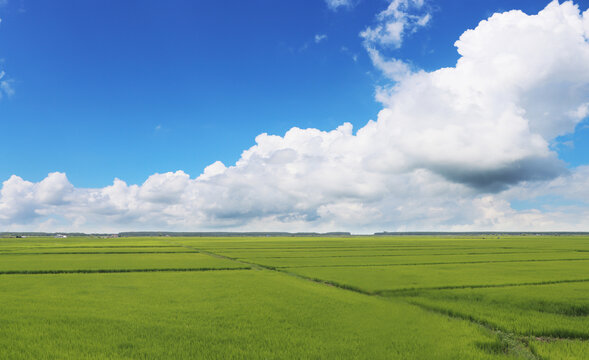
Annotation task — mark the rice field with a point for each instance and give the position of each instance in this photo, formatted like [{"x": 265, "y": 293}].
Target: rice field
[{"x": 413, "y": 297}]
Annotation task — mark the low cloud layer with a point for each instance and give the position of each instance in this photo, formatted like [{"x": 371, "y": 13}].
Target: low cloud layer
[{"x": 449, "y": 151}]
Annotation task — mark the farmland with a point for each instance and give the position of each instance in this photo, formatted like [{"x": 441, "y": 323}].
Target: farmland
[{"x": 413, "y": 297}]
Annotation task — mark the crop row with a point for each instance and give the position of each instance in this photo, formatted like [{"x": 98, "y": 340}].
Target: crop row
[{"x": 102, "y": 271}]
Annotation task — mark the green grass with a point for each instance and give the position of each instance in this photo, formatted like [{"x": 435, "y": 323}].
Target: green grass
[
  {"x": 561, "y": 349},
  {"x": 404, "y": 277},
  {"x": 411, "y": 297},
  {"x": 95, "y": 250},
  {"x": 81, "y": 262},
  {"x": 410, "y": 259},
  {"x": 39, "y": 242},
  {"x": 560, "y": 310},
  {"x": 235, "y": 314}
]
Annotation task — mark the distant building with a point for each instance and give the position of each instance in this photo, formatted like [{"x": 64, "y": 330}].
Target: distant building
[{"x": 61, "y": 236}]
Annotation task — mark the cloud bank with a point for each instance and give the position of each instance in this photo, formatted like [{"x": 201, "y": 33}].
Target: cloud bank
[{"x": 449, "y": 150}]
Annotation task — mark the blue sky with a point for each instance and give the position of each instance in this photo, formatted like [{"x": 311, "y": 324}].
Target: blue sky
[
  {"x": 106, "y": 89},
  {"x": 127, "y": 89}
]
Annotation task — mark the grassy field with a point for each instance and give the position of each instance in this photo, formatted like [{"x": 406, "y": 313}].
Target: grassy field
[{"x": 415, "y": 297}]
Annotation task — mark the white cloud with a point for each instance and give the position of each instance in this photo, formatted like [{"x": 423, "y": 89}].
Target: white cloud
[
  {"x": 345, "y": 50},
  {"x": 18, "y": 201},
  {"x": 164, "y": 188},
  {"x": 5, "y": 85},
  {"x": 54, "y": 189},
  {"x": 320, "y": 37},
  {"x": 579, "y": 113},
  {"x": 394, "y": 69},
  {"x": 449, "y": 151},
  {"x": 398, "y": 19},
  {"x": 336, "y": 4},
  {"x": 393, "y": 24}
]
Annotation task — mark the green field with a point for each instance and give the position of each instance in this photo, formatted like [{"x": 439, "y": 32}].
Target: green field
[{"x": 460, "y": 297}]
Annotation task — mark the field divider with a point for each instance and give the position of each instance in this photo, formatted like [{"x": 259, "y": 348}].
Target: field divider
[
  {"x": 432, "y": 263},
  {"x": 355, "y": 248},
  {"x": 377, "y": 293},
  {"x": 326, "y": 282},
  {"x": 102, "y": 252},
  {"x": 401, "y": 255},
  {"x": 563, "y": 335},
  {"x": 98, "y": 247},
  {"x": 393, "y": 292},
  {"x": 515, "y": 344},
  {"x": 282, "y": 271},
  {"x": 219, "y": 256},
  {"x": 112, "y": 271}
]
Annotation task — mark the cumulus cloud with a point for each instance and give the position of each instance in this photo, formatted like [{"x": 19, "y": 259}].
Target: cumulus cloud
[
  {"x": 448, "y": 151},
  {"x": 22, "y": 201}
]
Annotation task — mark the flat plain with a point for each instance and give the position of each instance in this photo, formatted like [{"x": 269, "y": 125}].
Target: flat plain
[{"x": 381, "y": 297}]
